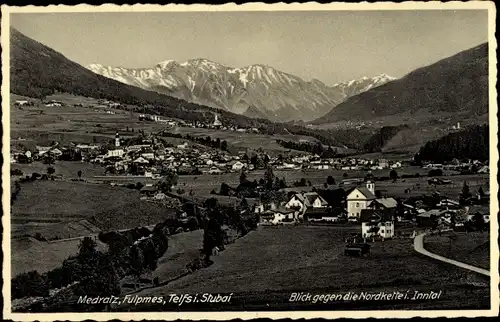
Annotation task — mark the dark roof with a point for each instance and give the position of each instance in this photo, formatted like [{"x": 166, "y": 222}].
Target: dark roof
[
  {"x": 367, "y": 193},
  {"x": 376, "y": 215},
  {"x": 148, "y": 188}
]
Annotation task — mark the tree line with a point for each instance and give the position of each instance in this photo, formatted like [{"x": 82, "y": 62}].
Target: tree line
[
  {"x": 470, "y": 143},
  {"x": 216, "y": 143}
]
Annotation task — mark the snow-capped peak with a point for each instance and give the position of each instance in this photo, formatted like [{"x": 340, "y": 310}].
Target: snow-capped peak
[{"x": 165, "y": 63}]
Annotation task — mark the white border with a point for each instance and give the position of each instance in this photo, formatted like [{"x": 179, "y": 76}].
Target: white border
[{"x": 5, "y": 29}]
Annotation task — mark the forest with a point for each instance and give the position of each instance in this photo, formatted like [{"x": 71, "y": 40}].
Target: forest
[{"x": 470, "y": 143}]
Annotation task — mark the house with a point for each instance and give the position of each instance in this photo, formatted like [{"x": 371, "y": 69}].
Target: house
[
  {"x": 377, "y": 223},
  {"x": 214, "y": 170},
  {"x": 258, "y": 208},
  {"x": 321, "y": 214},
  {"x": 148, "y": 190},
  {"x": 182, "y": 146},
  {"x": 359, "y": 199},
  {"x": 21, "y": 103},
  {"x": 429, "y": 218},
  {"x": 304, "y": 201},
  {"x": 383, "y": 203},
  {"x": 278, "y": 216},
  {"x": 141, "y": 160},
  {"x": 115, "y": 153},
  {"x": 238, "y": 165},
  {"x": 484, "y": 169}
]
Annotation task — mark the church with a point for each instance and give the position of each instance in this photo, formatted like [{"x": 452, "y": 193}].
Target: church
[{"x": 364, "y": 198}]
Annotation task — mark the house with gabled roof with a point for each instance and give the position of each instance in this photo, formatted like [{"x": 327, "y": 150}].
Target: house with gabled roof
[{"x": 304, "y": 201}]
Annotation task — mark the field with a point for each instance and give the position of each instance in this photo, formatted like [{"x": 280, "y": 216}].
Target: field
[
  {"x": 202, "y": 185},
  {"x": 42, "y": 125},
  {"x": 31, "y": 254},
  {"x": 182, "y": 249},
  {"x": 108, "y": 207},
  {"x": 263, "y": 268},
  {"x": 246, "y": 141},
  {"x": 66, "y": 169},
  {"x": 471, "y": 248}
]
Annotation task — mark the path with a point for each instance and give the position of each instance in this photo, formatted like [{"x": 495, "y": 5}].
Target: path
[{"x": 418, "y": 244}]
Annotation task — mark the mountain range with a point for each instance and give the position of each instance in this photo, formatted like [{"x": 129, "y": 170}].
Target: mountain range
[
  {"x": 457, "y": 84},
  {"x": 255, "y": 91}
]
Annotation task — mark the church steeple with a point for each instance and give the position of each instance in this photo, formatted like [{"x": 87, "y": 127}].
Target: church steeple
[{"x": 117, "y": 140}]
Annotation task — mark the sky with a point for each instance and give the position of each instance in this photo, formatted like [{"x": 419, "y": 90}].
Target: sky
[{"x": 332, "y": 46}]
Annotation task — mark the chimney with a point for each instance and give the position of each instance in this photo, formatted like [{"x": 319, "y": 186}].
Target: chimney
[{"x": 370, "y": 186}]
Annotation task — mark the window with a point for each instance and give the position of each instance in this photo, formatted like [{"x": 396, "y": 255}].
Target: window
[{"x": 357, "y": 204}]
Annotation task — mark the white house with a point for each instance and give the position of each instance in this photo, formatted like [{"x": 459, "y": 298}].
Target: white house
[
  {"x": 279, "y": 216},
  {"x": 238, "y": 165},
  {"x": 303, "y": 201},
  {"x": 21, "y": 103},
  {"x": 115, "y": 153},
  {"x": 377, "y": 223},
  {"x": 359, "y": 199}
]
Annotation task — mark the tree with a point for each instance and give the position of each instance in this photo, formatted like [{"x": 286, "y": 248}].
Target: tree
[
  {"x": 269, "y": 178},
  {"x": 87, "y": 248},
  {"x": 223, "y": 146},
  {"x": 330, "y": 180},
  {"x": 394, "y": 175},
  {"x": 224, "y": 189},
  {"x": 51, "y": 171},
  {"x": 243, "y": 177},
  {"x": 345, "y": 175},
  {"x": 465, "y": 195},
  {"x": 480, "y": 191}
]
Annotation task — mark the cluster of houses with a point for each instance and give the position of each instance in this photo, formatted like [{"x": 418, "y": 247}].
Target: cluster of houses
[
  {"x": 458, "y": 165},
  {"x": 377, "y": 216},
  {"x": 309, "y": 161}
]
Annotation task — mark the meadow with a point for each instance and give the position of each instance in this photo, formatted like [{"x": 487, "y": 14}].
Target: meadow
[
  {"x": 471, "y": 248},
  {"x": 263, "y": 268},
  {"x": 202, "y": 185},
  {"x": 32, "y": 254},
  {"x": 92, "y": 124},
  {"x": 108, "y": 207}
]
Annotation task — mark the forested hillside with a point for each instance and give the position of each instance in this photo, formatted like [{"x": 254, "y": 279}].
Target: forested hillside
[{"x": 471, "y": 143}]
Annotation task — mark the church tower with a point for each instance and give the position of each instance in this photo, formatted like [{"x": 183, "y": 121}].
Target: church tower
[
  {"x": 370, "y": 185},
  {"x": 117, "y": 140}
]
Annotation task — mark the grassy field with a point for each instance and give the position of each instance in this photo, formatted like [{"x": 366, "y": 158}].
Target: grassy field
[
  {"x": 246, "y": 141},
  {"x": 92, "y": 124},
  {"x": 264, "y": 267},
  {"x": 202, "y": 185},
  {"x": 182, "y": 249},
  {"x": 471, "y": 248},
  {"x": 61, "y": 201},
  {"x": 67, "y": 124},
  {"x": 66, "y": 169},
  {"x": 30, "y": 254}
]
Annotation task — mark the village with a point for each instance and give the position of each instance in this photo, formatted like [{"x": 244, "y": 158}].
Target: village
[{"x": 142, "y": 161}]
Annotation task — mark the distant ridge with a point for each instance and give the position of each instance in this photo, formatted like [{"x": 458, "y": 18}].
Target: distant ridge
[{"x": 457, "y": 84}]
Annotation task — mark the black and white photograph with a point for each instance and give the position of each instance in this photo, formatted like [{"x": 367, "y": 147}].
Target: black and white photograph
[{"x": 333, "y": 160}]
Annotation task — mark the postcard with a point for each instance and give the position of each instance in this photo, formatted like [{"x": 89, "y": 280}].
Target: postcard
[{"x": 241, "y": 161}]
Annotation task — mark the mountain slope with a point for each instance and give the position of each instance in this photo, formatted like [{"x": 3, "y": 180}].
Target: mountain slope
[
  {"x": 255, "y": 90},
  {"x": 457, "y": 84},
  {"x": 39, "y": 71}
]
